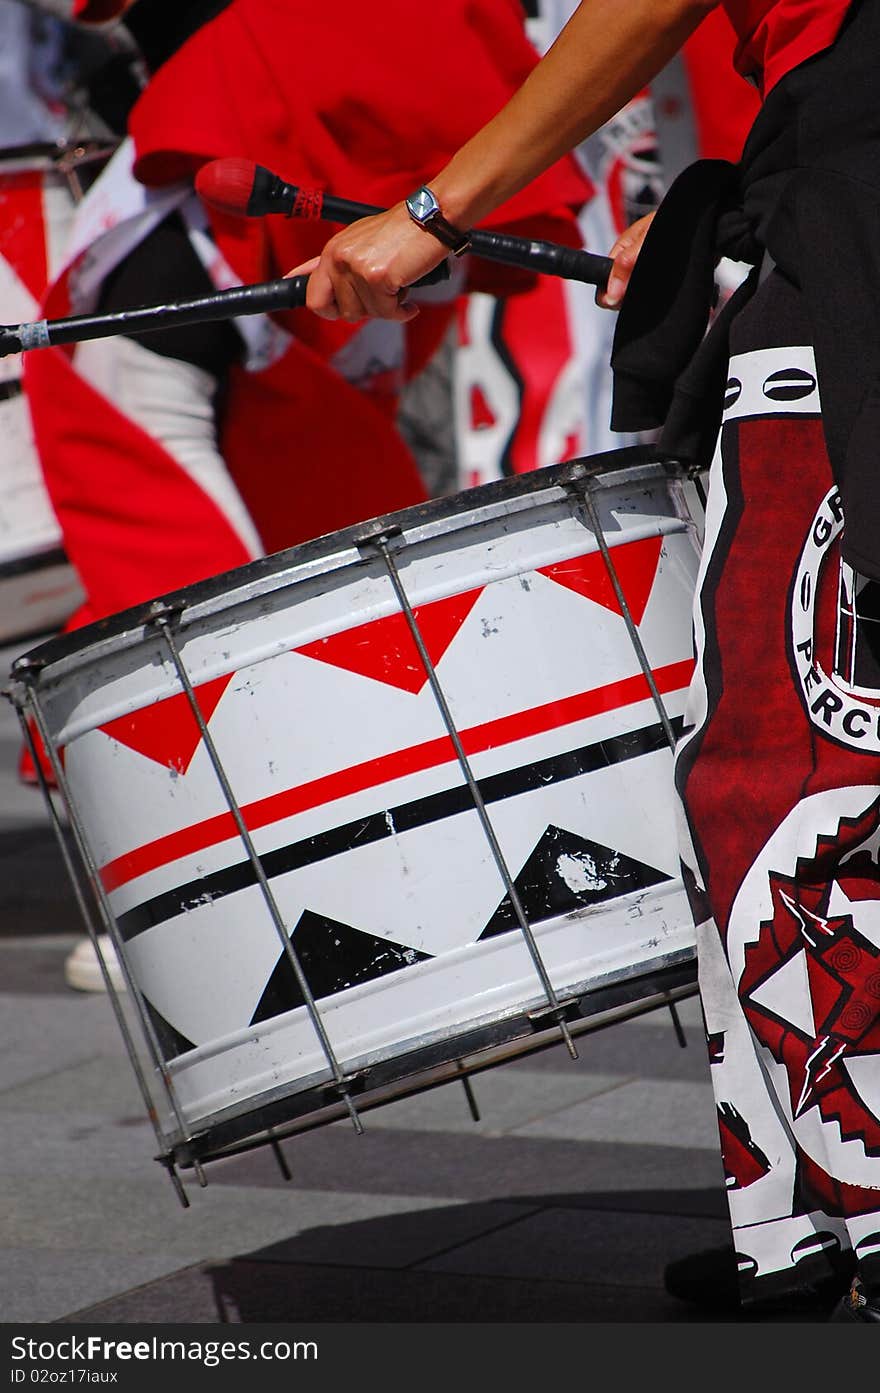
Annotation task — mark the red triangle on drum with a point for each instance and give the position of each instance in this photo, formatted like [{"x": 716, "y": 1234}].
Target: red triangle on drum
[
  {"x": 167, "y": 731},
  {"x": 384, "y": 649},
  {"x": 636, "y": 567},
  {"x": 22, "y": 242}
]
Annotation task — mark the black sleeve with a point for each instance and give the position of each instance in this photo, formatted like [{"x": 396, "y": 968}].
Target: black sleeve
[{"x": 163, "y": 268}]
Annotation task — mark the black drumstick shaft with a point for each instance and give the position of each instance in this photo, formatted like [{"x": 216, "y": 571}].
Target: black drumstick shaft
[
  {"x": 533, "y": 254},
  {"x": 262, "y": 298},
  {"x": 240, "y": 187}
]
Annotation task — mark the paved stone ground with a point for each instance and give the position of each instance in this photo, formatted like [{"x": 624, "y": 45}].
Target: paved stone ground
[{"x": 563, "y": 1204}]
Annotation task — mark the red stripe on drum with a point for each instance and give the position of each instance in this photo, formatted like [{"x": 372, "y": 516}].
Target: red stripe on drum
[{"x": 395, "y": 765}]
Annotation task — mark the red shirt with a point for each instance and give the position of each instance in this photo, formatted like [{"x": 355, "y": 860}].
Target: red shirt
[
  {"x": 776, "y": 35},
  {"x": 723, "y": 104}
]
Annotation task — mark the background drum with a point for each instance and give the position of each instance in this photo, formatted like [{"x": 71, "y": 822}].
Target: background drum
[
  {"x": 389, "y": 807},
  {"x": 38, "y": 194}
]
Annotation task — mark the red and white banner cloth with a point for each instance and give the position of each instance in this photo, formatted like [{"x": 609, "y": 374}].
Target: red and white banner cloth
[
  {"x": 780, "y": 777},
  {"x": 153, "y": 489},
  {"x": 127, "y": 439},
  {"x": 308, "y": 441}
]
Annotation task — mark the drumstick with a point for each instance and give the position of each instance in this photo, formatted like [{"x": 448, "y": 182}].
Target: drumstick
[
  {"x": 246, "y": 189},
  {"x": 262, "y": 298}
]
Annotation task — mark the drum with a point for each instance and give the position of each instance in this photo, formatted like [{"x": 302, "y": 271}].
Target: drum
[
  {"x": 38, "y": 587},
  {"x": 388, "y": 807}
]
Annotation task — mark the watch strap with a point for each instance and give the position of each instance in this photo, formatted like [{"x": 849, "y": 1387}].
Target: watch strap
[{"x": 452, "y": 237}]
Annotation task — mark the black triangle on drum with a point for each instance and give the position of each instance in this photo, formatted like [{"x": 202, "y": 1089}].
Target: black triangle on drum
[
  {"x": 333, "y": 956},
  {"x": 566, "y": 873},
  {"x": 170, "y": 1041}
]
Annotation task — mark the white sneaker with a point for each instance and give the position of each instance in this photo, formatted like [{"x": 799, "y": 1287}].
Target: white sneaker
[{"x": 82, "y": 971}]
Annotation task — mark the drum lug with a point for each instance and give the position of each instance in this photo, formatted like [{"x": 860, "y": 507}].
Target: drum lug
[
  {"x": 576, "y": 478},
  {"x": 375, "y": 534},
  {"x": 346, "y": 1086},
  {"x": 28, "y": 667},
  {"x": 164, "y": 612},
  {"x": 20, "y": 692},
  {"x": 344, "y": 1089},
  {"x": 678, "y": 468},
  {"x": 548, "y": 1016}
]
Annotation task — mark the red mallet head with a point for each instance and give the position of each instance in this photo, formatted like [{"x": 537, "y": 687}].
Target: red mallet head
[
  {"x": 244, "y": 189},
  {"x": 227, "y": 185}
]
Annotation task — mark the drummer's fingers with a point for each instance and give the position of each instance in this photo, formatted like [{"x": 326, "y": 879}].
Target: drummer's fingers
[
  {"x": 371, "y": 263},
  {"x": 331, "y": 293},
  {"x": 383, "y": 297},
  {"x": 352, "y": 288},
  {"x": 320, "y": 291},
  {"x": 624, "y": 255},
  {"x": 348, "y": 303},
  {"x": 305, "y": 269},
  {"x": 352, "y": 301}
]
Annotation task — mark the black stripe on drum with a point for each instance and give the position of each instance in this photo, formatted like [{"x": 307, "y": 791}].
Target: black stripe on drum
[
  {"x": 10, "y": 389},
  {"x": 393, "y": 821}
]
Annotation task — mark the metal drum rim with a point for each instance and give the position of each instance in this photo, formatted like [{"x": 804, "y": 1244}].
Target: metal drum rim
[
  {"x": 671, "y": 977},
  {"x": 107, "y": 633}
]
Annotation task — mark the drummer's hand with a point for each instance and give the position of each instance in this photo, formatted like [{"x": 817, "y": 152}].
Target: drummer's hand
[
  {"x": 364, "y": 270},
  {"x": 624, "y": 254}
]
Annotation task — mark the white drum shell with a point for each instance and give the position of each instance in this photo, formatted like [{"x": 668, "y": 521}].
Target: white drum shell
[{"x": 544, "y": 685}]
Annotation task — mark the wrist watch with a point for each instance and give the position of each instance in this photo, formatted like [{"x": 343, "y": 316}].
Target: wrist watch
[{"x": 424, "y": 209}]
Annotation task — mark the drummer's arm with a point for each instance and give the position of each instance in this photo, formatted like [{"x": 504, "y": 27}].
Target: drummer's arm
[{"x": 605, "y": 54}]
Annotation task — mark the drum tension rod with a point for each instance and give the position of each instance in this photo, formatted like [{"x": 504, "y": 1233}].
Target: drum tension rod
[
  {"x": 578, "y": 484},
  {"x": 171, "y": 1168},
  {"x": 24, "y": 697},
  {"x": 563, "y": 1011},
  {"x": 376, "y": 537},
  {"x": 162, "y": 616}
]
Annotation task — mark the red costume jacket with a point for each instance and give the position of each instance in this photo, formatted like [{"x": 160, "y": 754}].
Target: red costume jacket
[{"x": 776, "y": 35}]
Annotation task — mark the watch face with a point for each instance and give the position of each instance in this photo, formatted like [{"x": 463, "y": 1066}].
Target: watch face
[{"x": 422, "y": 203}]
